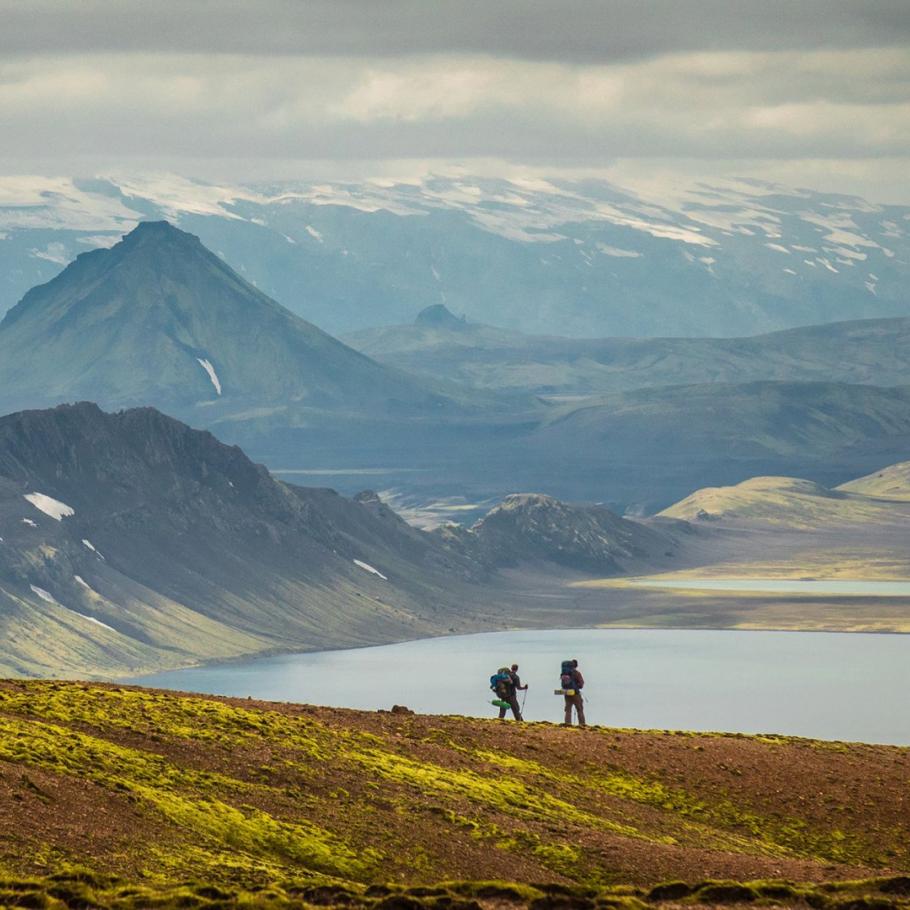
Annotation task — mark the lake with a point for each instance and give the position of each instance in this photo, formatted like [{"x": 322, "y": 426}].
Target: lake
[
  {"x": 816, "y": 684},
  {"x": 807, "y": 587}
]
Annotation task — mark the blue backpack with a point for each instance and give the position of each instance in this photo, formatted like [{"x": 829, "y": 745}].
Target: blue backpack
[
  {"x": 567, "y": 675},
  {"x": 501, "y": 682}
]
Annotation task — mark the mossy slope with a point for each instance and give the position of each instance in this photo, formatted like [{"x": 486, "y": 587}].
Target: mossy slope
[{"x": 158, "y": 789}]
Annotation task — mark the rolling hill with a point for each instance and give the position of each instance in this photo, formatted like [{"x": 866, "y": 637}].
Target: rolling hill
[
  {"x": 891, "y": 483},
  {"x": 788, "y": 502},
  {"x": 794, "y": 530},
  {"x": 117, "y": 797},
  {"x": 749, "y": 420},
  {"x": 872, "y": 351}
]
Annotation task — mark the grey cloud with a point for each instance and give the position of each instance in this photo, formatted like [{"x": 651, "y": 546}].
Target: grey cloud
[{"x": 570, "y": 31}]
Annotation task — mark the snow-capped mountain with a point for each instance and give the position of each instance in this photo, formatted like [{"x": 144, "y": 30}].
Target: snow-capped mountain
[{"x": 577, "y": 257}]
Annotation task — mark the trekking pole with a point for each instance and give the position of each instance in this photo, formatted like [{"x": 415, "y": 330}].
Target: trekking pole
[{"x": 524, "y": 698}]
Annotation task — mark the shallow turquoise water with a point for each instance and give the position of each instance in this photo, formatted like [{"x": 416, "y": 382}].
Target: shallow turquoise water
[
  {"x": 823, "y": 685},
  {"x": 813, "y": 587}
]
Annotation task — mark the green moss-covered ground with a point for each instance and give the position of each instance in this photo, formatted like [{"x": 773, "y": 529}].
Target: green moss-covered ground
[{"x": 123, "y": 797}]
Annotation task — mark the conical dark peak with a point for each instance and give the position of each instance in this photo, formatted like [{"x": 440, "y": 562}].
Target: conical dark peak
[
  {"x": 158, "y": 232},
  {"x": 439, "y": 316},
  {"x": 159, "y": 319}
]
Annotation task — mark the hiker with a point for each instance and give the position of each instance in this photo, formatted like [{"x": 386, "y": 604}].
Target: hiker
[
  {"x": 512, "y": 699},
  {"x": 572, "y": 683},
  {"x": 503, "y": 685}
]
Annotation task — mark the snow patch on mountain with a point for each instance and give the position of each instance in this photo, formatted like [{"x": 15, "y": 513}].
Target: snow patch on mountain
[
  {"x": 618, "y": 253},
  {"x": 53, "y": 252},
  {"x": 89, "y": 546},
  {"x": 44, "y": 595},
  {"x": 175, "y": 196},
  {"x": 368, "y": 568},
  {"x": 60, "y": 203},
  {"x": 92, "y": 619},
  {"x": 841, "y": 229},
  {"x": 50, "y": 506},
  {"x": 206, "y": 365}
]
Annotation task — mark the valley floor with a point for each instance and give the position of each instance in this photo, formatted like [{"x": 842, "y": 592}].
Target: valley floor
[
  {"x": 160, "y": 789},
  {"x": 842, "y": 553}
]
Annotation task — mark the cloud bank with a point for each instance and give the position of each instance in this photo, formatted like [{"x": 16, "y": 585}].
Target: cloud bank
[{"x": 575, "y": 83}]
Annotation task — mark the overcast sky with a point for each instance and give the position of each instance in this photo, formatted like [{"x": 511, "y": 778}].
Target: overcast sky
[{"x": 812, "y": 92}]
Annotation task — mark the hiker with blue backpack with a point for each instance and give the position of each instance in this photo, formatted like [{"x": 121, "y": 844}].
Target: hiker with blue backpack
[
  {"x": 505, "y": 683},
  {"x": 572, "y": 682}
]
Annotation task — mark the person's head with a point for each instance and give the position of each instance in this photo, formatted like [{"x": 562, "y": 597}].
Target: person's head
[
  {"x": 514, "y": 668},
  {"x": 575, "y": 663}
]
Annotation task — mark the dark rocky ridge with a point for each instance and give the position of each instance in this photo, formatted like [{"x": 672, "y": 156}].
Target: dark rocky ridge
[
  {"x": 532, "y": 528},
  {"x": 180, "y": 548}
]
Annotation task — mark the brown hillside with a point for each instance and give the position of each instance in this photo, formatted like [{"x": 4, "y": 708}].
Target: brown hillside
[{"x": 160, "y": 788}]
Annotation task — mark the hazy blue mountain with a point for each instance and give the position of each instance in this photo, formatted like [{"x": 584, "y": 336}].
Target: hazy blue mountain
[
  {"x": 583, "y": 258},
  {"x": 158, "y": 319},
  {"x": 639, "y": 450},
  {"x": 746, "y": 420},
  {"x": 873, "y": 351}
]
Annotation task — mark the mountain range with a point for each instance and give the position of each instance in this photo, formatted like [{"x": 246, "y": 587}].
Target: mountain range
[
  {"x": 159, "y": 320},
  {"x": 438, "y": 343},
  {"x": 579, "y": 257},
  {"x": 130, "y": 541}
]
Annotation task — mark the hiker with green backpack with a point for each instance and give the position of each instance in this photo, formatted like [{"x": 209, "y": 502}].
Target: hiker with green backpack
[{"x": 505, "y": 683}]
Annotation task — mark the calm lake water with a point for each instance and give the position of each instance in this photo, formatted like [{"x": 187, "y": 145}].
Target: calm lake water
[
  {"x": 808, "y": 587},
  {"x": 816, "y": 684}
]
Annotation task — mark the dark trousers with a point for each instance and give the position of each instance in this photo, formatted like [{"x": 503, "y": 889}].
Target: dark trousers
[
  {"x": 578, "y": 703},
  {"x": 513, "y": 704}
]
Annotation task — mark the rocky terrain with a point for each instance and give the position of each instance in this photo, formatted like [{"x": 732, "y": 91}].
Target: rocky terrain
[
  {"x": 130, "y": 542},
  {"x": 137, "y": 789},
  {"x": 529, "y": 528}
]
